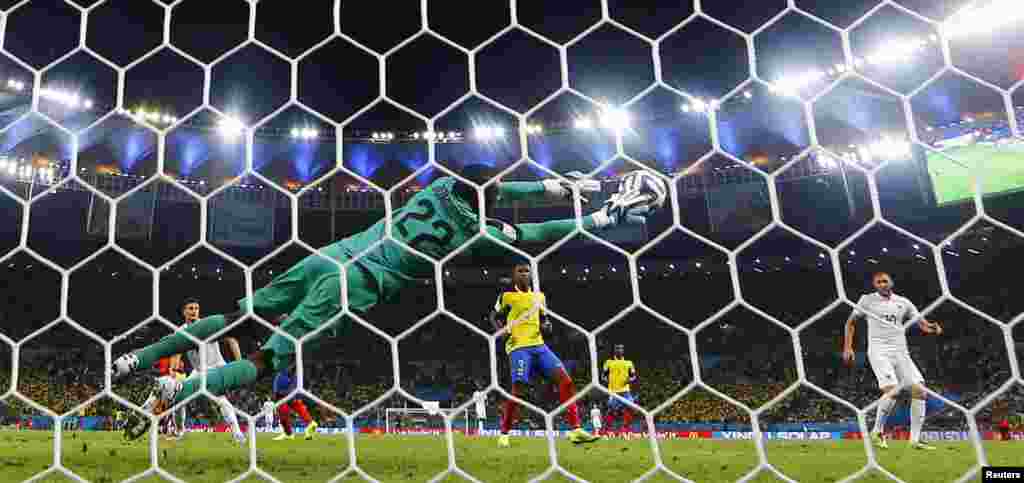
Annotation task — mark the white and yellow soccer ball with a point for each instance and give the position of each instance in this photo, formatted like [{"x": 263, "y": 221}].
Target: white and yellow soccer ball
[{"x": 647, "y": 183}]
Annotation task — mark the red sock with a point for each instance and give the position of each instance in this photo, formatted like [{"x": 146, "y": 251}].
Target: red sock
[
  {"x": 286, "y": 418},
  {"x": 627, "y": 419},
  {"x": 300, "y": 407},
  {"x": 566, "y": 391},
  {"x": 508, "y": 417}
]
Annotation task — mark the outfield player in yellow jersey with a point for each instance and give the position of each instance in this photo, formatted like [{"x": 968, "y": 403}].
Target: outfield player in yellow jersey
[
  {"x": 619, "y": 374},
  {"x": 519, "y": 314}
]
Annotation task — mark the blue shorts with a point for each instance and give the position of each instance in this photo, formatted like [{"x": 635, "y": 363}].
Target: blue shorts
[
  {"x": 530, "y": 360},
  {"x": 616, "y": 405},
  {"x": 284, "y": 383}
]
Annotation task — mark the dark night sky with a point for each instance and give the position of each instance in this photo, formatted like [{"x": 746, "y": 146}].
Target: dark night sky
[
  {"x": 426, "y": 74},
  {"x": 518, "y": 69}
]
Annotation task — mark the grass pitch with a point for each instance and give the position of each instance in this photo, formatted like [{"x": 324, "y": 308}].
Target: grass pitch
[
  {"x": 1001, "y": 170},
  {"x": 212, "y": 457}
]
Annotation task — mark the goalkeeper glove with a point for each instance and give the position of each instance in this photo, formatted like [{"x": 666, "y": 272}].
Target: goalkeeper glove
[
  {"x": 629, "y": 206},
  {"x": 559, "y": 188}
]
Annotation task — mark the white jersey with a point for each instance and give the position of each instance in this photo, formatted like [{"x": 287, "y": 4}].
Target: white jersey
[
  {"x": 268, "y": 411},
  {"x": 885, "y": 318},
  {"x": 214, "y": 358},
  {"x": 481, "y": 404},
  {"x": 595, "y": 417}
]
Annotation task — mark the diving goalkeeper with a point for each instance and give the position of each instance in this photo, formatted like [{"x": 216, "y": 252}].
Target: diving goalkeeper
[{"x": 435, "y": 222}]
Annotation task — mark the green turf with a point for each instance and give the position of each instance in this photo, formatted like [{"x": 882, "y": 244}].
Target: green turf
[
  {"x": 211, "y": 457},
  {"x": 1001, "y": 169}
]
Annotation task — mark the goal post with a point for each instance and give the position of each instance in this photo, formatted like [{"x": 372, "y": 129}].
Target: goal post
[{"x": 428, "y": 420}]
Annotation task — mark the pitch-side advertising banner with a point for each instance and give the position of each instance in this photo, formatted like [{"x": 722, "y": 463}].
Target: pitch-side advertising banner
[{"x": 809, "y": 435}]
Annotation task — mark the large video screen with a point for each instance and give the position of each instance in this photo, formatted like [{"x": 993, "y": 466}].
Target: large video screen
[{"x": 1000, "y": 165}]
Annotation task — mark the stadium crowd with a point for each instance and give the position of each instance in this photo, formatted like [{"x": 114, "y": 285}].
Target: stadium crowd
[
  {"x": 60, "y": 381},
  {"x": 747, "y": 360}
]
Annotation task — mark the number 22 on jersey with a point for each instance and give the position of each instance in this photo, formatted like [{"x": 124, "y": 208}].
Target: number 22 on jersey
[{"x": 419, "y": 225}]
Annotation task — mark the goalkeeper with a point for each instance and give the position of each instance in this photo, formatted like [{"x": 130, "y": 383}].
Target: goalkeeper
[{"x": 436, "y": 221}]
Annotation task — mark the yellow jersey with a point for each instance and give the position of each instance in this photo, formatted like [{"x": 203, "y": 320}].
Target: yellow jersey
[
  {"x": 618, "y": 374},
  {"x": 526, "y": 306}
]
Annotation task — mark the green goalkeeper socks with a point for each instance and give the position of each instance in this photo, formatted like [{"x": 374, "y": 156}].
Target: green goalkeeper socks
[
  {"x": 221, "y": 379},
  {"x": 178, "y": 343}
]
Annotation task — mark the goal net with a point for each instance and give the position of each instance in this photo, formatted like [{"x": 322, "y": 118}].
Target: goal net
[
  {"x": 429, "y": 421},
  {"x": 154, "y": 151}
]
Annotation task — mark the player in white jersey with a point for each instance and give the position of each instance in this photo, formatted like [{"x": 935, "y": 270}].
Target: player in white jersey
[
  {"x": 268, "y": 415},
  {"x": 480, "y": 403},
  {"x": 595, "y": 418},
  {"x": 214, "y": 359},
  {"x": 173, "y": 425},
  {"x": 889, "y": 355}
]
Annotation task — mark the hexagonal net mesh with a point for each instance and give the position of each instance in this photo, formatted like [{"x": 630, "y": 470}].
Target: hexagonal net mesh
[{"x": 850, "y": 68}]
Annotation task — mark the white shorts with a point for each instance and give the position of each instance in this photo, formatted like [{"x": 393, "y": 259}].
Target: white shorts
[{"x": 895, "y": 369}]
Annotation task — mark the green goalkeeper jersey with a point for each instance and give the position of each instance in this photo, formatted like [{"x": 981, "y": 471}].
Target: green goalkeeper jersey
[{"x": 436, "y": 222}]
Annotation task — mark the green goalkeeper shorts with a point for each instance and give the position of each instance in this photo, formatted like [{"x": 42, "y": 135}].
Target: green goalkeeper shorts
[{"x": 310, "y": 294}]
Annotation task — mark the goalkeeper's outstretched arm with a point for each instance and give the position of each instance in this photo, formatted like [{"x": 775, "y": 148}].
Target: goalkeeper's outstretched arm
[
  {"x": 521, "y": 190},
  {"x": 547, "y": 189},
  {"x": 631, "y": 207}
]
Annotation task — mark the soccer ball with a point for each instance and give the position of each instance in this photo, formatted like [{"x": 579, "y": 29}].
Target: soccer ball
[{"x": 647, "y": 183}]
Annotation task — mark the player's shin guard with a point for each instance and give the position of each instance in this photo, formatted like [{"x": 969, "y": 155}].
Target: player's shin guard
[
  {"x": 885, "y": 406},
  {"x": 627, "y": 420},
  {"x": 221, "y": 380},
  {"x": 180, "y": 417},
  {"x": 917, "y": 409},
  {"x": 284, "y": 414},
  {"x": 300, "y": 407},
  {"x": 566, "y": 390},
  {"x": 609, "y": 420},
  {"x": 228, "y": 412},
  {"x": 178, "y": 343},
  {"x": 511, "y": 413},
  {"x": 150, "y": 401}
]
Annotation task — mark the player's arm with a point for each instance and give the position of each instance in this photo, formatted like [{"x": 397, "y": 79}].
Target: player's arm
[
  {"x": 233, "y": 347},
  {"x": 926, "y": 326},
  {"x": 548, "y": 188},
  {"x": 632, "y": 207},
  {"x": 605, "y": 374},
  {"x": 851, "y": 330},
  {"x": 545, "y": 322},
  {"x": 499, "y": 315},
  {"x": 632, "y": 373}
]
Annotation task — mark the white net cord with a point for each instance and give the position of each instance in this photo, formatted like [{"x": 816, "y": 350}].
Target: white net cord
[{"x": 555, "y": 470}]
